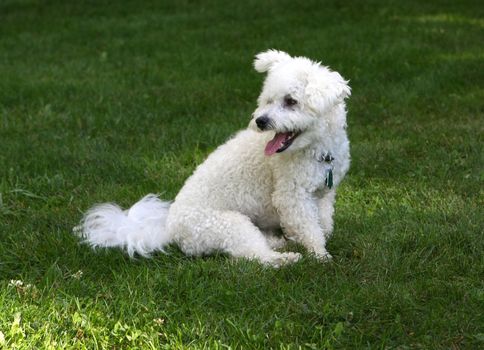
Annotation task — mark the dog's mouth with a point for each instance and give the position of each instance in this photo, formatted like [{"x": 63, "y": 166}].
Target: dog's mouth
[{"x": 280, "y": 142}]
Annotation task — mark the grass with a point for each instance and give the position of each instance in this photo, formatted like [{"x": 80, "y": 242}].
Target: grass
[{"x": 107, "y": 102}]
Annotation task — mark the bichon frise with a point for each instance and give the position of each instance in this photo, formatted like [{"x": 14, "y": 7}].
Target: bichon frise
[{"x": 282, "y": 172}]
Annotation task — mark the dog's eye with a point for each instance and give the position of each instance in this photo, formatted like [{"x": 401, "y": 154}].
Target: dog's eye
[{"x": 289, "y": 101}]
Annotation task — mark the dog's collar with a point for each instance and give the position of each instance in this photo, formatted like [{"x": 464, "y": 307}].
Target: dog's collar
[{"x": 327, "y": 158}]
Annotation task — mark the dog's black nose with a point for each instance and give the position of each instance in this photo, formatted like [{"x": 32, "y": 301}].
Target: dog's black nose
[{"x": 262, "y": 122}]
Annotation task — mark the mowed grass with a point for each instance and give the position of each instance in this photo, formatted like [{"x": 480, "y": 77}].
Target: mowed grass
[{"x": 103, "y": 101}]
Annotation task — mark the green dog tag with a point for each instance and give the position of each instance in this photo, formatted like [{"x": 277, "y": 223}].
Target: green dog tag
[{"x": 329, "y": 178}]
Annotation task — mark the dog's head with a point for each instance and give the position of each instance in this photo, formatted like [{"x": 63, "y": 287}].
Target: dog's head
[{"x": 299, "y": 98}]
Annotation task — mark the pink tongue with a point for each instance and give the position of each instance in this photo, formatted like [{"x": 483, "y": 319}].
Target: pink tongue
[{"x": 276, "y": 143}]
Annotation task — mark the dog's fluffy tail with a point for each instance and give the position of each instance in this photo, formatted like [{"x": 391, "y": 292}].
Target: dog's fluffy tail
[{"x": 140, "y": 229}]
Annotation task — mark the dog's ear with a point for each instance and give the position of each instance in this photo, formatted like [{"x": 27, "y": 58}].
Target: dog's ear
[
  {"x": 326, "y": 89},
  {"x": 268, "y": 59}
]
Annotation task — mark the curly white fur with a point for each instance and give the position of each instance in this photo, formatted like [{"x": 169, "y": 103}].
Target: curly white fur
[{"x": 241, "y": 193}]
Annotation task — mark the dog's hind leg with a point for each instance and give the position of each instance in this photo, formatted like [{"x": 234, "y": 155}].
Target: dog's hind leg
[{"x": 206, "y": 231}]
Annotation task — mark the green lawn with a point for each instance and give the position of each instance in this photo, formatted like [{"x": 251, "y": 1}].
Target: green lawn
[{"x": 108, "y": 101}]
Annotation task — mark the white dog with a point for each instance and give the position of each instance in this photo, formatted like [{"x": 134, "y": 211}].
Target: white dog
[{"x": 282, "y": 172}]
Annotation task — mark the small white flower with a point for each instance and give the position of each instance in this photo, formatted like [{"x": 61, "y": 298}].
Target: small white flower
[
  {"x": 159, "y": 321},
  {"x": 77, "y": 275},
  {"x": 16, "y": 283}
]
